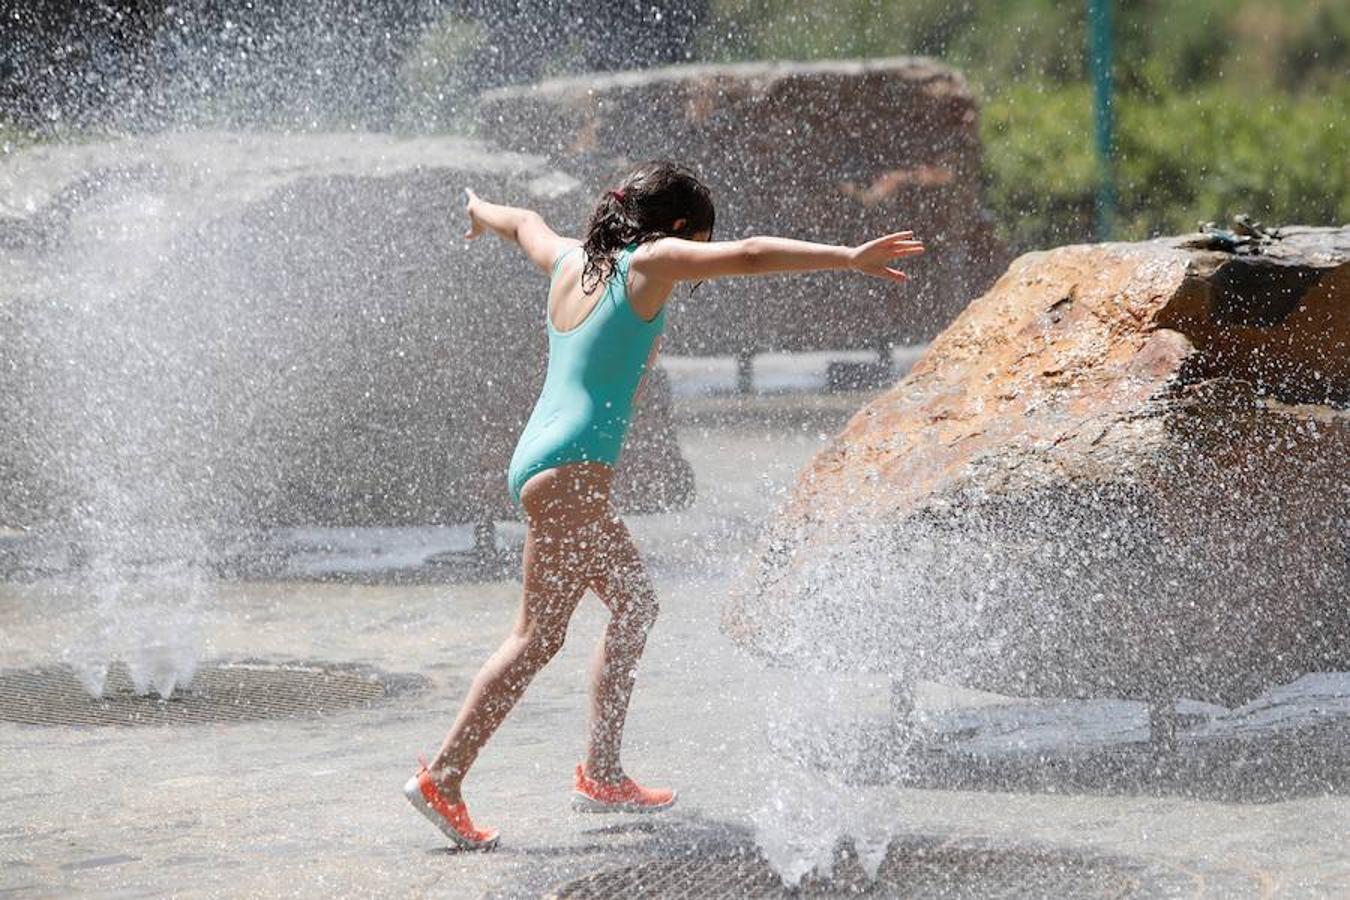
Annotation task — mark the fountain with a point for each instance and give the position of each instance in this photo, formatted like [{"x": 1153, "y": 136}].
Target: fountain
[
  {"x": 1120, "y": 473},
  {"x": 1093, "y": 548},
  {"x": 215, "y": 332}
]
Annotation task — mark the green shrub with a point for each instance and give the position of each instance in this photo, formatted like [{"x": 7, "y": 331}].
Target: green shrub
[
  {"x": 1205, "y": 155},
  {"x": 1040, "y": 171},
  {"x": 12, "y": 138},
  {"x": 1160, "y": 44},
  {"x": 1223, "y": 106},
  {"x": 433, "y": 78}
]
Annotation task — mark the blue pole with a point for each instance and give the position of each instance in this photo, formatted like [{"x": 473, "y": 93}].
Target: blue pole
[{"x": 1099, "y": 55}]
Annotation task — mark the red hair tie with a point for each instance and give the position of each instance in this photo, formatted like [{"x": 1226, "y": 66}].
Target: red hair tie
[{"x": 617, "y": 195}]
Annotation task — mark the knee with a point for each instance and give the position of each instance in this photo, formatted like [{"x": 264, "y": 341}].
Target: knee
[
  {"x": 643, "y": 610},
  {"x": 541, "y": 645}
]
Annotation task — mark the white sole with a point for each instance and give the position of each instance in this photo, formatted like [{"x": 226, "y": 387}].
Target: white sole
[
  {"x": 413, "y": 791},
  {"x": 583, "y": 804}
]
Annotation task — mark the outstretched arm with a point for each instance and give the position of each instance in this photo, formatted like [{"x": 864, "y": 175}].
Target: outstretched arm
[
  {"x": 674, "y": 259},
  {"x": 523, "y": 226}
]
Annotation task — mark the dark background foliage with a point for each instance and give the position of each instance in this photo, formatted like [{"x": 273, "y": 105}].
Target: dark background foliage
[{"x": 1222, "y": 106}]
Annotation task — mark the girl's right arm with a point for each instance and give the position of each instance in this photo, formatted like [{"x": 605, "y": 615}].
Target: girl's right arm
[
  {"x": 523, "y": 226},
  {"x": 675, "y": 259}
]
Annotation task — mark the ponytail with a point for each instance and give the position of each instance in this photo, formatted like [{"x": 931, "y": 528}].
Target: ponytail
[{"x": 646, "y": 206}]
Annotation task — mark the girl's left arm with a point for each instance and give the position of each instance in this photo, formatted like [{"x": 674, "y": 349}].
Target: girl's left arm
[{"x": 523, "y": 226}]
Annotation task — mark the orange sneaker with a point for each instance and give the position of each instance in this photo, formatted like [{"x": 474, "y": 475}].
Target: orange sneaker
[
  {"x": 451, "y": 818},
  {"x": 591, "y": 796}
]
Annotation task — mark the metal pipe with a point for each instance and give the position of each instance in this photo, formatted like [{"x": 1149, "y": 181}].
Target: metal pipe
[{"x": 1099, "y": 56}]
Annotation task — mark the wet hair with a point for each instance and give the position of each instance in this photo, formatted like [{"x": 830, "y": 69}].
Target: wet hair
[{"x": 645, "y": 206}]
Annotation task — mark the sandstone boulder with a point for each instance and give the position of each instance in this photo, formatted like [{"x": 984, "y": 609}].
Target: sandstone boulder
[
  {"x": 1123, "y": 471},
  {"x": 267, "y": 330},
  {"x": 836, "y": 151}
]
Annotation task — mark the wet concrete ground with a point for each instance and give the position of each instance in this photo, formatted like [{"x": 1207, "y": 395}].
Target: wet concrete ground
[{"x": 313, "y": 807}]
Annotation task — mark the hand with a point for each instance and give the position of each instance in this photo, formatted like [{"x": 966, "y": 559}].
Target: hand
[
  {"x": 471, "y": 207},
  {"x": 872, "y": 258}
]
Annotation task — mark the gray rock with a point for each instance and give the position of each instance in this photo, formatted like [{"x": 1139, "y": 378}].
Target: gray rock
[
  {"x": 248, "y": 329},
  {"x": 837, "y": 151}
]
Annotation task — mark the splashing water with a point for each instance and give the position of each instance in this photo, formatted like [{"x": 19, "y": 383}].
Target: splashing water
[
  {"x": 176, "y": 382},
  {"x": 151, "y": 625},
  {"x": 808, "y": 814},
  {"x": 150, "y": 621}
]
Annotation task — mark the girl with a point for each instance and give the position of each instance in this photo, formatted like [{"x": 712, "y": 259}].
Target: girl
[{"x": 606, "y": 310}]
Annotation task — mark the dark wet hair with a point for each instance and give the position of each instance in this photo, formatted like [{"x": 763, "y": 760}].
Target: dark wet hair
[{"x": 643, "y": 207}]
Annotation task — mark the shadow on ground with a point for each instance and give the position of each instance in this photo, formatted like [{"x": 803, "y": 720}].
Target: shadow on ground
[{"x": 697, "y": 858}]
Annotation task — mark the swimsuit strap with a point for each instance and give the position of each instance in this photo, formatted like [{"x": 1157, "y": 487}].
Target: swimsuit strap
[
  {"x": 622, "y": 263},
  {"x": 625, "y": 259},
  {"x": 619, "y": 288},
  {"x": 618, "y": 280}
]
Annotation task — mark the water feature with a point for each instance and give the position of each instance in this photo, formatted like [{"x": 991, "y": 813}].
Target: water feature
[
  {"x": 1074, "y": 497},
  {"x": 218, "y": 338},
  {"x": 182, "y": 374}
]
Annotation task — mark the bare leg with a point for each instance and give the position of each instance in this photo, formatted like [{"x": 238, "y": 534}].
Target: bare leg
[
  {"x": 563, "y": 508},
  {"x": 626, "y": 589}
]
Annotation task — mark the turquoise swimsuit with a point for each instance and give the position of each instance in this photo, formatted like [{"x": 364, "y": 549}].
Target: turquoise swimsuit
[{"x": 593, "y": 370}]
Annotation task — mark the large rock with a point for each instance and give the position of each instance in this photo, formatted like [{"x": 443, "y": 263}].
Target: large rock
[
  {"x": 1125, "y": 470},
  {"x": 833, "y": 151},
  {"x": 261, "y": 330}
]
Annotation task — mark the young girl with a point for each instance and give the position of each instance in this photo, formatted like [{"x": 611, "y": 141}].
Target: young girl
[{"x": 606, "y": 311}]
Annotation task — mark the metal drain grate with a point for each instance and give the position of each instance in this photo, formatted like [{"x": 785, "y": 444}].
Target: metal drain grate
[
  {"x": 929, "y": 871},
  {"x": 220, "y": 692}
]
